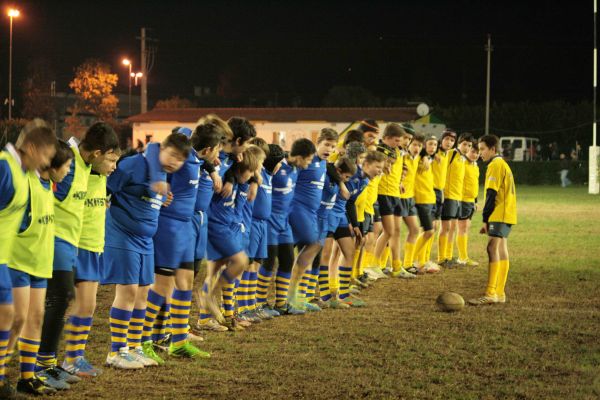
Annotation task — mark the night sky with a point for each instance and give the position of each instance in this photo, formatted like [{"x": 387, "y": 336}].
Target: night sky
[{"x": 422, "y": 50}]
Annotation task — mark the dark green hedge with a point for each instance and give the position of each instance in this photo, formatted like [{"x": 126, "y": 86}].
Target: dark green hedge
[{"x": 543, "y": 172}]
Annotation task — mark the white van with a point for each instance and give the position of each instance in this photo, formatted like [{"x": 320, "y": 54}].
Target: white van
[{"x": 518, "y": 148}]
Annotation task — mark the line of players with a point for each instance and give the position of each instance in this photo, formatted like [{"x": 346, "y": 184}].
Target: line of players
[{"x": 220, "y": 193}]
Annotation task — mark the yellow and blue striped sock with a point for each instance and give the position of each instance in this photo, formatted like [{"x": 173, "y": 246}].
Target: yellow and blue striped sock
[
  {"x": 161, "y": 322},
  {"x": 324, "y": 290},
  {"x": 228, "y": 299},
  {"x": 181, "y": 304},
  {"x": 303, "y": 285},
  {"x": 119, "y": 325},
  {"x": 345, "y": 275},
  {"x": 45, "y": 360},
  {"x": 28, "y": 349},
  {"x": 4, "y": 336},
  {"x": 263, "y": 283},
  {"x": 204, "y": 315},
  {"x": 77, "y": 331},
  {"x": 242, "y": 293},
  {"x": 313, "y": 276},
  {"x": 282, "y": 286},
  {"x": 136, "y": 328},
  {"x": 153, "y": 306},
  {"x": 253, "y": 279}
]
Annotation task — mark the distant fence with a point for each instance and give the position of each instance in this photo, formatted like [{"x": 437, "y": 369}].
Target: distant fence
[{"x": 543, "y": 172}]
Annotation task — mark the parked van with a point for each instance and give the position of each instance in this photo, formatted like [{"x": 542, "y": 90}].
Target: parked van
[{"x": 518, "y": 148}]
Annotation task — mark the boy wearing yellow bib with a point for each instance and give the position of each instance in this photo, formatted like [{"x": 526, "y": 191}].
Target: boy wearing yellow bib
[
  {"x": 34, "y": 149},
  {"x": 30, "y": 265},
  {"x": 499, "y": 215}
]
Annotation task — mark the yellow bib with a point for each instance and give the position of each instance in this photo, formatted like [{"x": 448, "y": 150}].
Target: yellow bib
[{"x": 94, "y": 215}]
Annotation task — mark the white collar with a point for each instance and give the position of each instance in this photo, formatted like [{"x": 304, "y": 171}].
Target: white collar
[{"x": 13, "y": 152}]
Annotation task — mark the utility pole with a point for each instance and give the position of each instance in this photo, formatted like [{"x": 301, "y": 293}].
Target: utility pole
[
  {"x": 488, "y": 49},
  {"x": 594, "y": 154},
  {"x": 144, "y": 99}
]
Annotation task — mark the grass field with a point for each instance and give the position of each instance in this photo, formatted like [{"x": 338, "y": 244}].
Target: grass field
[{"x": 543, "y": 344}]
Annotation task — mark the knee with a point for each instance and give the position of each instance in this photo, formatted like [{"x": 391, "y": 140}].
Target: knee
[{"x": 18, "y": 322}]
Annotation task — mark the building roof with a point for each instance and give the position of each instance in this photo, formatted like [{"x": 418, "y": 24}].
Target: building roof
[{"x": 281, "y": 114}]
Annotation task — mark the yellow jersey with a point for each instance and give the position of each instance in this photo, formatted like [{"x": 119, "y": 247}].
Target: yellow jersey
[
  {"x": 471, "y": 182},
  {"x": 439, "y": 168},
  {"x": 499, "y": 177},
  {"x": 411, "y": 163},
  {"x": 389, "y": 184},
  {"x": 424, "y": 193},
  {"x": 455, "y": 176},
  {"x": 365, "y": 200}
]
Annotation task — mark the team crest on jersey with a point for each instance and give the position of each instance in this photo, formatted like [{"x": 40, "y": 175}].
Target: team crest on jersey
[{"x": 283, "y": 172}]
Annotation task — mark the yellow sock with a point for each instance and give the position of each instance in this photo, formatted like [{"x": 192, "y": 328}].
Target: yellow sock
[
  {"x": 428, "y": 250},
  {"x": 386, "y": 256},
  {"x": 409, "y": 254},
  {"x": 397, "y": 265},
  {"x": 442, "y": 243},
  {"x": 355, "y": 266},
  {"x": 503, "y": 267},
  {"x": 334, "y": 283},
  {"x": 461, "y": 243},
  {"x": 492, "y": 279},
  {"x": 420, "y": 248},
  {"x": 369, "y": 257},
  {"x": 449, "y": 249},
  {"x": 362, "y": 264}
]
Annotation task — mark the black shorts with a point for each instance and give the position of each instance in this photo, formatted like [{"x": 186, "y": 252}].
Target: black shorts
[
  {"x": 439, "y": 201},
  {"x": 342, "y": 232},
  {"x": 389, "y": 205},
  {"x": 377, "y": 216},
  {"x": 499, "y": 229},
  {"x": 367, "y": 225},
  {"x": 450, "y": 209},
  {"x": 425, "y": 213},
  {"x": 467, "y": 209},
  {"x": 408, "y": 207}
]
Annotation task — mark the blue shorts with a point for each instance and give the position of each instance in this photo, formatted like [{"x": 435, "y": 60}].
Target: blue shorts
[
  {"x": 127, "y": 267},
  {"x": 200, "y": 232},
  {"x": 5, "y": 285},
  {"x": 224, "y": 241},
  {"x": 335, "y": 221},
  {"x": 23, "y": 279},
  {"x": 246, "y": 230},
  {"x": 172, "y": 244},
  {"x": 257, "y": 249},
  {"x": 65, "y": 255},
  {"x": 323, "y": 224},
  {"x": 304, "y": 225},
  {"x": 89, "y": 266},
  {"x": 279, "y": 232}
]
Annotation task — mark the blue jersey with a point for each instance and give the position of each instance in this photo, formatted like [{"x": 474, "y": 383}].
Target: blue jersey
[
  {"x": 205, "y": 184},
  {"x": 7, "y": 190},
  {"x": 331, "y": 191},
  {"x": 283, "y": 184},
  {"x": 243, "y": 206},
  {"x": 134, "y": 206},
  {"x": 222, "y": 210},
  {"x": 63, "y": 187},
  {"x": 184, "y": 186},
  {"x": 309, "y": 187},
  {"x": 357, "y": 184},
  {"x": 262, "y": 203}
]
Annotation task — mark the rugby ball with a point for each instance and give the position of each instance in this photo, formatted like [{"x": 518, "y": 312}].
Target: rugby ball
[{"x": 450, "y": 302}]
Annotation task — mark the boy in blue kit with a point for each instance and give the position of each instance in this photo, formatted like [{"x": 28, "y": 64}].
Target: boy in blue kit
[
  {"x": 34, "y": 150},
  {"x": 97, "y": 147},
  {"x": 131, "y": 222},
  {"x": 280, "y": 242},
  {"x": 225, "y": 242},
  {"x": 303, "y": 216}
]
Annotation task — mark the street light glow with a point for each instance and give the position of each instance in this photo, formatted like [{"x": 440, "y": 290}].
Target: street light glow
[
  {"x": 139, "y": 75},
  {"x": 126, "y": 61},
  {"x": 13, "y": 13}
]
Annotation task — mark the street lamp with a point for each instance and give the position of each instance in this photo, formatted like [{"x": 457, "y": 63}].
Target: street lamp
[
  {"x": 12, "y": 13},
  {"x": 136, "y": 76},
  {"x": 126, "y": 62}
]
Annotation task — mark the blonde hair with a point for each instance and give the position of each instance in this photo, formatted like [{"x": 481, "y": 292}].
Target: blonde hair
[
  {"x": 252, "y": 159},
  {"x": 219, "y": 123}
]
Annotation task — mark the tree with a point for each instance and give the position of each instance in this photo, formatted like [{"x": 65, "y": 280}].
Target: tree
[
  {"x": 93, "y": 85},
  {"x": 37, "y": 101},
  {"x": 174, "y": 102},
  {"x": 350, "y": 96}
]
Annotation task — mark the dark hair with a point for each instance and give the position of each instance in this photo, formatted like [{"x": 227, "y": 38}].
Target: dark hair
[
  {"x": 466, "y": 137},
  {"x": 448, "y": 132},
  {"x": 303, "y": 148},
  {"x": 393, "y": 130},
  {"x": 39, "y": 136},
  {"x": 353, "y": 135},
  {"x": 262, "y": 143},
  {"x": 374, "y": 156},
  {"x": 100, "y": 136},
  {"x": 274, "y": 156},
  {"x": 63, "y": 154},
  {"x": 179, "y": 142},
  {"x": 354, "y": 149},
  {"x": 207, "y": 135},
  {"x": 327, "y": 134},
  {"x": 346, "y": 165},
  {"x": 242, "y": 129},
  {"x": 386, "y": 150},
  {"x": 368, "y": 125},
  {"x": 419, "y": 138},
  {"x": 408, "y": 128},
  {"x": 490, "y": 141}
]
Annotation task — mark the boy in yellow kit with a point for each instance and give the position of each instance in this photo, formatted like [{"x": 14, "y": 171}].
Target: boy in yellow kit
[
  {"x": 499, "y": 215},
  {"x": 468, "y": 205}
]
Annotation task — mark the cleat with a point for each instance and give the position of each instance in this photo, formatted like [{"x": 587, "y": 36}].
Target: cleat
[
  {"x": 150, "y": 353},
  {"x": 379, "y": 271},
  {"x": 210, "y": 325},
  {"x": 338, "y": 304},
  {"x": 140, "y": 356},
  {"x": 388, "y": 271},
  {"x": 82, "y": 368},
  {"x": 263, "y": 314},
  {"x": 413, "y": 270},
  {"x": 35, "y": 386},
  {"x": 359, "y": 283},
  {"x": 123, "y": 360},
  {"x": 243, "y": 321},
  {"x": 233, "y": 324},
  {"x": 193, "y": 337},
  {"x": 502, "y": 298},
  {"x": 372, "y": 274},
  {"x": 431, "y": 267},
  {"x": 187, "y": 350},
  {"x": 288, "y": 309},
  {"x": 469, "y": 263},
  {"x": 50, "y": 378},
  {"x": 322, "y": 304},
  {"x": 485, "y": 300},
  {"x": 7, "y": 391},
  {"x": 403, "y": 274},
  {"x": 310, "y": 307},
  {"x": 354, "y": 290},
  {"x": 269, "y": 309},
  {"x": 354, "y": 302},
  {"x": 210, "y": 303},
  {"x": 250, "y": 316}
]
